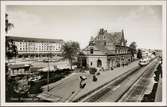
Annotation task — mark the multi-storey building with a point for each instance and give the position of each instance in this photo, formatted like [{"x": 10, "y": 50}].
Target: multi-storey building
[
  {"x": 36, "y": 46},
  {"x": 107, "y": 50}
]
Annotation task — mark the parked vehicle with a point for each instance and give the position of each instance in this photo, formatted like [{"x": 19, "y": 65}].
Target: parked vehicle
[{"x": 34, "y": 78}]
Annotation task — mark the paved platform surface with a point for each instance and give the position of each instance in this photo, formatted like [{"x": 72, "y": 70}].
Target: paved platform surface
[
  {"x": 68, "y": 89},
  {"x": 158, "y": 96}
]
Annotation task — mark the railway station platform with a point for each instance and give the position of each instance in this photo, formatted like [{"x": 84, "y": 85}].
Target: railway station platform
[
  {"x": 68, "y": 89},
  {"x": 158, "y": 95}
]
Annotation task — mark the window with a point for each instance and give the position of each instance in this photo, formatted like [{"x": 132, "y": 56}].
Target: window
[
  {"x": 91, "y": 50},
  {"x": 15, "y": 72},
  {"x": 91, "y": 63},
  {"x": 122, "y": 44},
  {"x": 104, "y": 43}
]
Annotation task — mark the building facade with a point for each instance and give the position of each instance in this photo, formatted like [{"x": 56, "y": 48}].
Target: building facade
[
  {"x": 107, "y": 50},
  {"x": 18, "y": 69},
  {"x": 36, "y": 46}
]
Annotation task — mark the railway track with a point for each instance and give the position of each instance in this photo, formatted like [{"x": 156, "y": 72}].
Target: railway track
[
  {"x": 136, "y": 93},
  {"x": 116, "y": 89}
]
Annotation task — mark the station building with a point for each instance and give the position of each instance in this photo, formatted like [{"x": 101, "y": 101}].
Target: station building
[{"x": 107, "y": 50}]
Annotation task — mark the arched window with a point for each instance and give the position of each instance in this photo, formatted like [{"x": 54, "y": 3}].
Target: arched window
[
  {"x": 91, "y": 63},
  {"x": 99, "y": 63}
]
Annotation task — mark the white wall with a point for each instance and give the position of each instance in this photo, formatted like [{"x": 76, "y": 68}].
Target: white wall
[{"x": 94, "y": 59}]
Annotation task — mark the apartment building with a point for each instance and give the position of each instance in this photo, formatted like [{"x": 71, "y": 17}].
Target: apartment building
[{"x": 36, "y": 46}]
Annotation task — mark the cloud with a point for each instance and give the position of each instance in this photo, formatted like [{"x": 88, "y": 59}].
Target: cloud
[
  {"x": 23, "y": 21},
  {"x": 140, "y": 23},
  {"x": 143, "y": 25}
]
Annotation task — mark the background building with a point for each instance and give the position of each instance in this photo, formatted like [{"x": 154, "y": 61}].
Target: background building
[
  {"x": 107, "y": 50},
  {"x": 36, "y": 46}
]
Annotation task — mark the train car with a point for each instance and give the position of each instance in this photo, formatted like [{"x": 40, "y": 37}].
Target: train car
[{"x": 144, "y": 61}]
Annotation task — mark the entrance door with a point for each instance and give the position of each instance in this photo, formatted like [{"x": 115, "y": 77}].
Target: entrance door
[
  {"x": 84, "y": 62},
  {"x": 99, "y": 63}
]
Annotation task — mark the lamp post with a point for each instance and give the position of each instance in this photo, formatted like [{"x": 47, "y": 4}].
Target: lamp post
[
  {"x": 48, "y": 68},
  {"x": 49, "y": 55}
]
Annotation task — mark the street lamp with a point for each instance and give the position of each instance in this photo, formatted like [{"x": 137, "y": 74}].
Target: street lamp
[
  {"x": 48, "y": 69},
  {"x": 49, "y": 55}
]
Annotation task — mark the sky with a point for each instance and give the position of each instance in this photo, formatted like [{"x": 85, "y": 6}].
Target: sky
[{"x": 141, "y": 23}]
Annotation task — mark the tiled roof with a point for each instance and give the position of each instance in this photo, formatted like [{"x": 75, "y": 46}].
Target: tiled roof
[
  {"x": 114, "y": 37},
  {"x": 104, "y": 49}
]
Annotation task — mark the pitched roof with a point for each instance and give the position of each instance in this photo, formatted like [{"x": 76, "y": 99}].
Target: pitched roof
[
  {"x": 114, "y": 37},
  {"x": 103, "y": 49},
  {"x": 98, "y": 47}
]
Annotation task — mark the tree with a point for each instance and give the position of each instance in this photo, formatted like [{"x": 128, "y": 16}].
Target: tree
[
  {"x": 8, "y": 25},
  {"x": 133, "y": 46},
  {"x": 21, "y": 87},
  {"x": 81, "y": 60},
  {"x": 11, "y": 49},
  {"x": 70, "y": 50},
  {"x": 139, "y": 54}
]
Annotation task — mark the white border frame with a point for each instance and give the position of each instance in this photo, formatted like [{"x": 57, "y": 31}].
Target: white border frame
[{"x": 4, "y": 3}]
